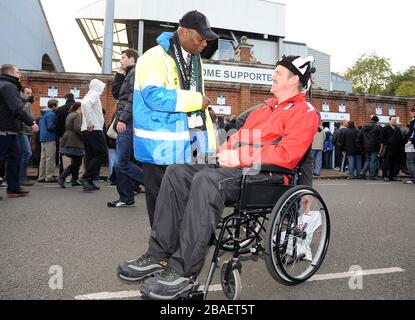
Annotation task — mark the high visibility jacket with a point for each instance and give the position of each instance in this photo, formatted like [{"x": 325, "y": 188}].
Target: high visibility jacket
[
  {"x": 160, "y": 107},
  {"x": 278, "y": 134}
]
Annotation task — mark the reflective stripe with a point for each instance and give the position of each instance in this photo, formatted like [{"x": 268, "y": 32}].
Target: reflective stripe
[
  {"x": 180, "y": 101},
  {"x": 160, "y": 135},
  {"x": 152, "y": 83}
]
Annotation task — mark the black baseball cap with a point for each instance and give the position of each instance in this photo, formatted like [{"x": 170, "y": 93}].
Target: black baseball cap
[{"x": 197, "y": 21}]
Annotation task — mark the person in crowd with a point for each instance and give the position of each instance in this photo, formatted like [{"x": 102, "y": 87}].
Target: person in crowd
[
  {"x": 61, "y": 114},
  {"x": 353, "y": 150},
  {"x": 410, "y": 148},
  {"x": 231, "y": 125},
  {"x": 170, "y": 116},
  {"x": 341, "y": 147},
  {"x": 11, "y": 114},
  {"x": 26, "y": 133},
  {"x": 47, "y": 137},
  {"x": 127, "y": 172},
  {"x": 392, "y": 140},
  {"x": 72, "y": 146},
  {"x": 369, "y": 139},
  {"x": 317, "y": 150},
  {"x": 328, "y": 149},
  {"x": 112, "y": 157},
  {"x": 92, "y": 132},
  {"x": 192, "y": 197}
]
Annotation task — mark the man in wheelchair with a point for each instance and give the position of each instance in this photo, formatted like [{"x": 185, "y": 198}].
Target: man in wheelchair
[{"x": 192, "y": 197}]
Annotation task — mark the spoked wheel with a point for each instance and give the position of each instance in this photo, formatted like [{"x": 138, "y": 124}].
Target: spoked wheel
[
  {"x": 230, "y": 280},
  {"x": 250, "y": 231},
  {"x": 297, "y": 236}
]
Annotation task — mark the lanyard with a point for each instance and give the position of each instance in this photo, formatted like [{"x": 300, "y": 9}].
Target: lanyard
[{"x": 185, "y": 72}]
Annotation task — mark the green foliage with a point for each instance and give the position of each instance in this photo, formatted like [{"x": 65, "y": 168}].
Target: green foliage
[
  {"x": 370, "y": 74},
  {"x": 397, "y": 80},
  {"x": 406, "y": 89}
]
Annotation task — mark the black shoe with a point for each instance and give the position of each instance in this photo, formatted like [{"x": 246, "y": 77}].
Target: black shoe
[
  {"x": 86, "y": 184},
  {"x": 75, "y": 183},
  {"x": 95, "y": 187},
  {"x": 168, "y": 285},
  {"x": 120, "y": 204},
  {"x": 61, "y": 182},
  {"x": 141, "y": 268}
]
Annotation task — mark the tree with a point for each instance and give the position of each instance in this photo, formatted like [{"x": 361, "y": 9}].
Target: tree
[
  {"x": 370, "y": 74},
  {"x": 406, "y": 89},
  {"x": 397, "y": 79}
]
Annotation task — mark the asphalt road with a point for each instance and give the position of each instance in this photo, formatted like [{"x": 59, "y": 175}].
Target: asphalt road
[{"x": 67, "y": 232}]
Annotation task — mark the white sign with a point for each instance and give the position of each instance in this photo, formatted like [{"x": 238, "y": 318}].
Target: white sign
[
  {"x": 221, "y": 100},
  {"x": 385, "y": 119},
  {"x": 342, "y": 107},
  {"x": 44, "y": 101},
  {"x": 379, "y": 110},
  {"x": 326, "y": 107},
  {"x": 392, "y": 111},
  {"x": 52, "y": 92},
  {"x": 76, "y": 92},
  {"x": 333, "y": 116},
  {"x": 236, "y": 74},
  {"x": 222, "y": 110}
]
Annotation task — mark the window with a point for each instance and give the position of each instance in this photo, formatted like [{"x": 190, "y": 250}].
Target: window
[
  {"x": 392, "y": 110},
  {"x": 379, "y": 109},
  {"x": 342, "y": 107},
  {"x": 326, "y": 107}
]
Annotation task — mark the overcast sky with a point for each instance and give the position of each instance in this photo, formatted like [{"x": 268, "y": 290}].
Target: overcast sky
[{"x": 344, "y": 29}]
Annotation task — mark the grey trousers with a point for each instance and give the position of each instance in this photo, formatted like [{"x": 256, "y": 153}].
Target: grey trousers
[{"x": 188, "y": 209}]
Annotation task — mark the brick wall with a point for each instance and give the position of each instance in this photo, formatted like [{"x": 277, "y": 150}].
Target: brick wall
[{"x": 239, "y": 97}]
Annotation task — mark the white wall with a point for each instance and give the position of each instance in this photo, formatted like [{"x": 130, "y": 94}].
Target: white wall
[
  {"x": 257, "y": 16},
  {"x": 25, "y": 36}
]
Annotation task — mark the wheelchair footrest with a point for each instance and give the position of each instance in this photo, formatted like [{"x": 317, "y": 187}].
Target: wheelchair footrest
[{"x": 194, "y": 295}]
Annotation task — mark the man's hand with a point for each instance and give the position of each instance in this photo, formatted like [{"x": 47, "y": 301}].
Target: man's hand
[
  {"x": 35, "y": 128},
  {"x": 121, "y": 127},
  {"x": 90, "y": 129},
  {"x": 228, "y": 159},
  {"x": 205, "y": 103}
]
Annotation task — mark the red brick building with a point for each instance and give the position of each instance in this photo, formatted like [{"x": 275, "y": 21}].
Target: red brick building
[{"x": 335, "y": 106}]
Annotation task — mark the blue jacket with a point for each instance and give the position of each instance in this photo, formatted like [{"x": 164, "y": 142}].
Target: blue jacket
[
  {"x": 160, "y": 107},
  {"x": 47, "y": 126}
]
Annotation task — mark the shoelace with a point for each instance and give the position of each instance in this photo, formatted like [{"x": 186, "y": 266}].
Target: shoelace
[
  {"x": 168, "y": 273},
  {"x": 145, "y": 258}
]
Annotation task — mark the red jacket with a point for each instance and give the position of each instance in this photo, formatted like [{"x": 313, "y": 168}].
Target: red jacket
[{"x": 294, "y": 122}]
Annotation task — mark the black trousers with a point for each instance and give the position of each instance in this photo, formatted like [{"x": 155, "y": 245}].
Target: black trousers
[
  {"x": 73, "y": 168},
  {"x": 189, "y": 206},
  {"x": 153, "y": 175},
  {"x": 95, "y": 152},
  {"x": 390, "y": 165}
]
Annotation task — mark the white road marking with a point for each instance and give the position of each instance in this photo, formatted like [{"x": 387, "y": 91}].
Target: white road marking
[
  {"x": 377, "y": 183},
  {"x": 109, "y": 295},
  {"x": 130, "y": 294},
  {"x": 332, "y": 184},
  {"x": 218, "y": 287},
  {"x": 341, "y": 275}
]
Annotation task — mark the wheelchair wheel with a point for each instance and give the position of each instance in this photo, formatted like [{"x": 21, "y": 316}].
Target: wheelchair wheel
[
  {"x": 297, "y": 236},
  {"x": 230, "y": 280}
]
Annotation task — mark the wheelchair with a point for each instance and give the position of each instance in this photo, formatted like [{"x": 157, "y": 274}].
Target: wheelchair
[{"x": 288, "y": 224}]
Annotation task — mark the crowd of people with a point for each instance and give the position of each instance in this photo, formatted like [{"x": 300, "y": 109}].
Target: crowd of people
[
  {"x": 165, "y": 137},
  {"x": 369, "y": 152}
]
